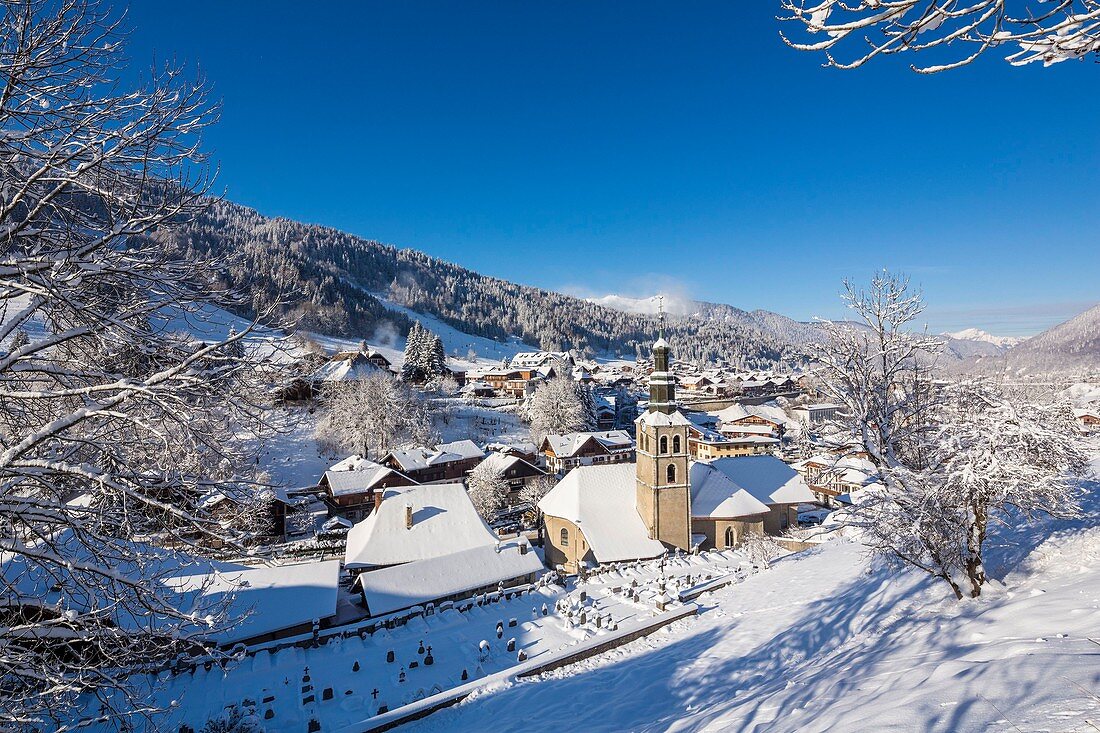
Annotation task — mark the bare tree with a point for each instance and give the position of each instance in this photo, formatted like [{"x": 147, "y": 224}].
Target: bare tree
[
  {"x": 952, "y": 457},
  {"x": 558, "y": 406},
  {"x": 112, "y": 426},
  {"x": 366, "y": 416},
  {"x": 1047, "y": 31},
  {"x": 488, "y": 489}
]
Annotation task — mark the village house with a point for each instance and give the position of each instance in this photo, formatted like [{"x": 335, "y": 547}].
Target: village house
[
  {"x": 346, "y": 366},
  {"x": 414, "y": 523},
  {"x": 444, "y": 462},
  {"x": 817, "y": 414},
  {"x": 831, "y": 478},
  {"x": 561, "y": 361},
  {"x": 353, "y": 486},
  {"x": 427, "y": 544},
  {"x": 745, "y": 420},
  {"x": 704, "y": 445},
  {"x": 1088, "y": 418},
  {"x": 563, "y": 452},
  {"x": 516, "y": 471},
  {"x": 516, "y": 383}
]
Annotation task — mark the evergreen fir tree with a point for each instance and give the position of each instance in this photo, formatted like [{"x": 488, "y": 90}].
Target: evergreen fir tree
[
  {"x": 413, "y": 370},
  {"x": 437, "y": 358}
]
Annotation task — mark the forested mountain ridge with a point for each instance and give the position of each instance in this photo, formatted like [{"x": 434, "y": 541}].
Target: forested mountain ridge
[{"x": 329, "y": 280}]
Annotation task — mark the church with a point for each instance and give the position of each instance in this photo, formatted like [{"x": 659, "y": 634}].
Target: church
[{"x": 602, "y": 514}]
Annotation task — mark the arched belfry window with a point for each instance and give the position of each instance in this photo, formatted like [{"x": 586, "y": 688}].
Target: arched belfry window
[
  {"x": 730, "y": 537},
  {"x": 664, "y": 444},
  {"x": 671, "y": 473},
  {"x": 564, "y": 537},
  {"x": 675, "y": 443}
]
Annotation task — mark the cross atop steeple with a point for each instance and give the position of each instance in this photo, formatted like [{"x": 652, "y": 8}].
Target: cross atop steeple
[{"x": 660, "y": 315}]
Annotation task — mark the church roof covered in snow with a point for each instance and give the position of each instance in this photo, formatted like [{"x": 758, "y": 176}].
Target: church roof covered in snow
[
  {"x": 715, "y": 495},
  {"x": 767, "y": 478},
  {"x": 444, "y": 521},
  {"x": 391, "y": 589},
  {"x": 600, "y": 500}
]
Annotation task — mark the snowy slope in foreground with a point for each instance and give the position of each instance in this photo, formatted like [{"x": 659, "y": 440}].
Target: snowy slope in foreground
[{"x": 824, "y": 642}]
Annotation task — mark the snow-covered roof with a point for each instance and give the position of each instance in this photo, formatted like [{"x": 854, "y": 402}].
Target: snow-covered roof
[
  {"x": 566, "y": 445},
  {"x": 273, "y": 597},
  {"x": 345, "y": 367},
  {"x": 737, "y": 412},
  {"x": 358, "y": 480},
  {"x": 1086, "y": 411},
  {"x": 417, "y": 458},
  {"x": 601, "y": 501},
  {"x": 392, "y": 589},
  {"x": 525, "y": 447},
  {"x": 715, "y": 495},
  {"x": 502, "y": 462},
  {"x": 444, "y": 522},
  {"x": 661, "y": 344},
  {"x": 767, "y": 478}
]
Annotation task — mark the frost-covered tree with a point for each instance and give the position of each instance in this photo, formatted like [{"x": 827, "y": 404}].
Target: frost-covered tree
[
  {"x": 557, "y": 407},
  {"x": 19, "y": 340},
  {"x": 1046, "y": 31},
  {"x": 488, "y": 489},
  {"x": 112, "y": 427},
  {"x": 368, "y": 416},
  {"x": 412, "y": 369},
  {"x": 952, "y": 457}
]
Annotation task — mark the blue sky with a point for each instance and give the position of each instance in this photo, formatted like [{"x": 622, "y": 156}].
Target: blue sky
[{"x": 627, "y": 147}]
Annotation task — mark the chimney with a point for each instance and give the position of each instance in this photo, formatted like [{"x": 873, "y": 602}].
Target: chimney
[
  {"x": 523, "y": 548},
  {"x": 408, "y": 516}
]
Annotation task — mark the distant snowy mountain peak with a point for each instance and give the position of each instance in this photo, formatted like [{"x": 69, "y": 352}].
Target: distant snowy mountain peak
[
  {"x": 674, "y": 305},
  {"x": 977, "y": 334}
]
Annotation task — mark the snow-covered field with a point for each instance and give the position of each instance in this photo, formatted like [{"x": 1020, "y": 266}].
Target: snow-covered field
[{"x": 829, "y": 640}]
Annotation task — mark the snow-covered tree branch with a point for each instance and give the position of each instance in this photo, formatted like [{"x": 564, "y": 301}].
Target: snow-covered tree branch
[
  {"x": 113, "y": 426},
  {"x": 952, "y": 33}
]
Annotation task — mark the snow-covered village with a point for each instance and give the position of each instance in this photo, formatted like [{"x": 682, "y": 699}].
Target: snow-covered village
[{"x": 500, "y": 366}]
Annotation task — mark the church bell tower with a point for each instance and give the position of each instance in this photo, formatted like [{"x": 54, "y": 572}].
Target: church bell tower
[{"x": 664, "y": 492}]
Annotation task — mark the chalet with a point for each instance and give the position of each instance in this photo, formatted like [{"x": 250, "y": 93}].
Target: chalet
[
  {"x": 477, "y": 388},
  {"x": 516, "y": 471},
  {"x": 376, "y": 357},
  {"x": 705, "y": 445},
  {"x": 444, "y": 462},
  {"x": 1088, "y": 418},
  {"x": 833, "y": 479},
  {"x": 524, "y": 449},
  {"x": 817, "y": 414},
  {"x": 562, "y": 361},
  {"x": 517, "y": 383},
  {"x": 346, "y": 366},
  {"x": 733, "y": 420},
  {"x": 354, "y": 486},
  {"x": 564, "y": 452}
]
